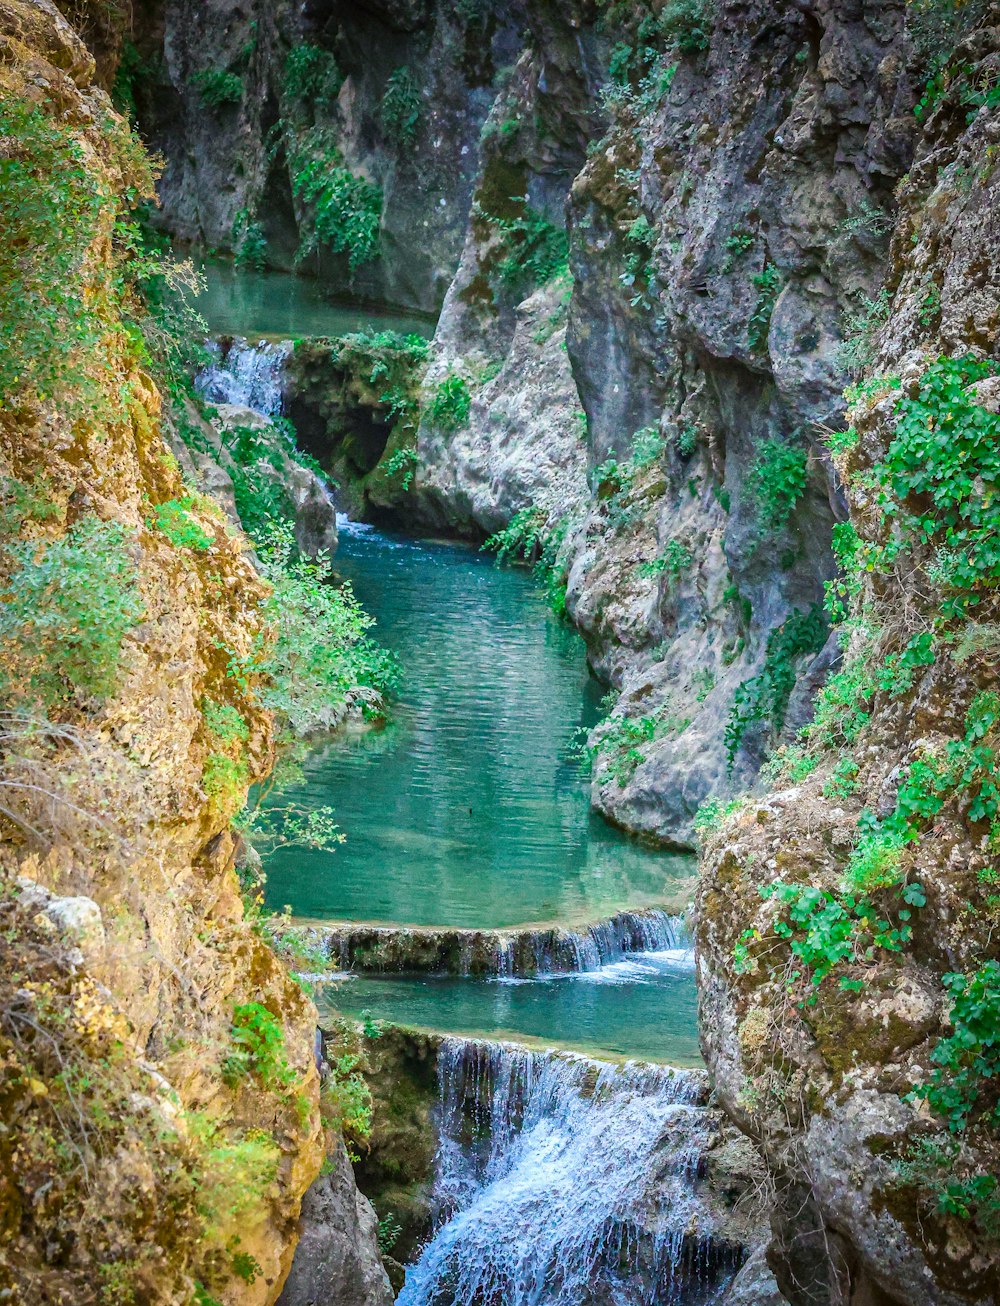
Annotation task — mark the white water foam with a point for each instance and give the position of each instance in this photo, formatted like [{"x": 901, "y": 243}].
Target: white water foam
[
  {"x": 251, "y": 376},
  {"x": 568, "y": 1182}
]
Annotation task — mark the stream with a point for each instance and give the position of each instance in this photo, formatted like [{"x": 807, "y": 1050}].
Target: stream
[{"x": 561, "y": 1179}]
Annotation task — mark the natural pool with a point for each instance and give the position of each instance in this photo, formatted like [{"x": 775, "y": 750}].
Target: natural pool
[
  {"x": 469, "y": 808},
  {"x": 239, "y": 302},
  {"x": 644, "y": 1007}
]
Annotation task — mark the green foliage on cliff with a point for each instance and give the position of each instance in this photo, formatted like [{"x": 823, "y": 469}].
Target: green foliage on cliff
[
  {"x": 964, "y": 1088},
  {"x": 825, "y": 930},
  {"x": 941, "y": 480},
  {"x": 776, "y": 482},
  {"x": 258, "y": 1048},
  {"x": 450, "y": 404},
  {"x": 217, "y": 87},
  {"x": 676, "y": 558},
  {"x": 346, "y": 209},
  {"x": 49, "y": 217},
  {"x": 533, "y": 250},
  {"x": 766, "y": 696},
  {"x": 687, "y": 24},
  {"x": 173, "y": 519},
  {"x": 312, "y": 74},
  {"x": 399, "y": 111},
  {"x": 768, "y": 285},
  {"x": 529, "y": 536},
  {"x": 321, "y": 660},
  {"x": 66, "y": 606}
]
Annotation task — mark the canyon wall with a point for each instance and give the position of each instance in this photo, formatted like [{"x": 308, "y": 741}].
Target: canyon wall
[{"x": 161, "y": 1092}]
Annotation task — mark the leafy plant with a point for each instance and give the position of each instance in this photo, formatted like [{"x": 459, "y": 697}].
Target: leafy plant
[
  {"x": 217, "y": 87},
  {"x": 317, "y": 657},
  {"x": 311, "y": 74},
  {"x": 388, "y": 1233},
  {"x": 856, "y": 352},
  {"x": 346, "y": 209},
  {"x": 674, "y": 561},
  {"x": 941, "y": 479},
  {"x": 258, "y": 1048},
  {"x": 346, "y": 1101},
  {"x": 533, "y": 251},
  {"x": 399, "y": 110},
  {"x": 65, "y": 610},
  {"x": 963, "y": 1088},
  {"x": 776, "y": 482},
  {"x": 823, "y": 930},
  {"x": 768, "y": 284},
  {"x": 49, "y": 218},
  {"x": 766, "y": 696},
  {"x": 249, "y": 242},
  {"x": 450, "y": 404},
  {"x": 173, "y": 519},
  {"x": 687, "y": 24}
]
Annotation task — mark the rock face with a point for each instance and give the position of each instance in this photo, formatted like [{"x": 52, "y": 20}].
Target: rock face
[
  {"x": 884, "y": 845},
  {"x": 337, "y": 1258},
  {"x": 231, "y": 161}
]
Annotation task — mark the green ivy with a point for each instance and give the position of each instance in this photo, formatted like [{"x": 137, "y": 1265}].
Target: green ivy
[
  {"x": 776, "y": 482},
  {"x": 766, "y": 696},
  {"x": 217, "y": 87},
  {"x": 400, "y": 108}
]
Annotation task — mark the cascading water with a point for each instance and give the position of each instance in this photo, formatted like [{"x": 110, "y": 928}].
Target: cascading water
[
  {"x": 569, "y": 1182},
  {"x": 245, "y": 374}
]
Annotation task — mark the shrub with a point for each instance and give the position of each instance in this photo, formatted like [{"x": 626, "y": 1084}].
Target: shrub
[
  {"x": 224, "y": 780},
  {"x": 48, "y": 220},
  {"x": 173, "y": 520},
  {"x": 312, "y": 74},
  {"x": 400, "y": 108},
  {"x": 346, "y": 1101},
  {"x": 346, "y": 209},
  {"x": 528, "y": 536},
  {"x": 776, "y": 482},
  {"x": 258, "y": 1048},
  {"x": 321, "y": 659},
  {"x": 687, "y": 24},
  {"x": 64, "y": 612},
  {"x": 766, "y": 696},
  {"x": 249, "y": 242},
  {"x": 450, "y": 404},
  {"x": 217, "y": 87}
]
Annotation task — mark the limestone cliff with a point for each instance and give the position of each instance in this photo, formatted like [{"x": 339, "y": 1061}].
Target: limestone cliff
[
  {"x": 847, "y": 923},
  {"x": 159, "y": 1111}
]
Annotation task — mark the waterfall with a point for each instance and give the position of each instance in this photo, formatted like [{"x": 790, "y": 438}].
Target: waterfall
[
  {"x": 509, "y": 954},
  {"x": 569, "y": 1182},
  {"x": 248, "y": 375}
]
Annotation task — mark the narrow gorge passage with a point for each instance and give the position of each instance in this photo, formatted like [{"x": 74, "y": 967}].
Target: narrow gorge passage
[{"x": 499, "y": 643}]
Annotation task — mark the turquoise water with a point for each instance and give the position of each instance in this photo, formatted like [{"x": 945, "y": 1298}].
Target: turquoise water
[
  {"x": 644, "y": 1008},
  {"x": 468, "y": 809},
  {"x": 239, "y": 302}
]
